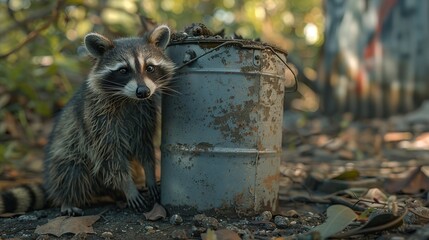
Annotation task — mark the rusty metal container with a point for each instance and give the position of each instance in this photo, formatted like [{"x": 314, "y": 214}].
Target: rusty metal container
[{"x": 222, "y": 130}]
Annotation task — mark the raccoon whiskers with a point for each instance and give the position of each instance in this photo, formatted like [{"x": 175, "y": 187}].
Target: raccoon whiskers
[
  {"x": 163, "y": 83},
  {"x": 165, "y": 89}
]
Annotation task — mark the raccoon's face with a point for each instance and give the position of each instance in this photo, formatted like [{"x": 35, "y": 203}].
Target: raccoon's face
[{"x": 130, "y": 67}]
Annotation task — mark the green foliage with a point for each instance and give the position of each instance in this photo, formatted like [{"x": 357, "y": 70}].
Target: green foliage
[{"x": 40, "y": 66}]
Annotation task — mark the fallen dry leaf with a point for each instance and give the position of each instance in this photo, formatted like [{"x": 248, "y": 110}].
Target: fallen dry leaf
[
  {"x": 416, "y": 181},
  {"x": 157, "y": 212},
  {"x": 338, "y": 218},
  {"x": 223, "y": 234},
  {"x": 375, "y": 194},
  {"x": 64, "y": 224},
  {"x": 397, "y": 136},
  {"x": 378, "y": 223},
  {"x": 420, "y": 143}
]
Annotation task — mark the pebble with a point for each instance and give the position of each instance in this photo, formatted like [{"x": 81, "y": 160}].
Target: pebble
[
  {"x": 292, "y": 213},
  {"x": 148, "y": 228},
  {"x": 176, "y": 219},
  {"x": 281, "y": 222},
  {"x": 179, "y": 234},
  {"x": 266, "y": 216},
  {"x": 201, "y": 220},
  {"x": 196, "y": 231},
  {"x": 107, "y": 235},
  {"x": 247, "y": 235}
]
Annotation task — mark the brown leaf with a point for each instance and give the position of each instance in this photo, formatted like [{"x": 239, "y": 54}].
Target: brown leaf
[
  {"x": 64, "y": 224},
  {"x": 381, "y": 222},
  {"x": 157, "y": 212},
  {"x": 338, "y": 218},
  {"x": 420, "y": 143},
  {"x": 223, "y": 234},
  {"x": 375, "y": 194},
  {"x": 397, "y": 136},
  {"x": 416, "y": 181}
]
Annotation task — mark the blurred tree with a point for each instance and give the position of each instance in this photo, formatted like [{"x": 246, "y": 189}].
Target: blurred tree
[{"x": 40, "y": 65}]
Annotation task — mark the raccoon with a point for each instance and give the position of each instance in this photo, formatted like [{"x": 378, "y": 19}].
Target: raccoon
[{"x": 110, "y": 120}]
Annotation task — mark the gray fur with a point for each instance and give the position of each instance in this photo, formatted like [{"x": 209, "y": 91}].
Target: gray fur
[{"x": 100, "y": 130}]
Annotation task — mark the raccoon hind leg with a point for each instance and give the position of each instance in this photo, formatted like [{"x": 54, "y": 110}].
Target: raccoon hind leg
[{"x": 70, "y": 185}]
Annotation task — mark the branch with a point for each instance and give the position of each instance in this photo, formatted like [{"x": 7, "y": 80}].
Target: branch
[
  {"x": 35, "y": 15},
  {"x": 32, "y": 35}
]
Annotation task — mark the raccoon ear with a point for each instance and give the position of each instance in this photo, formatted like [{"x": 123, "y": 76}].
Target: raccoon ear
[
  {"x": 97, "y": 44},
  {"x": 160, "y": 36}
]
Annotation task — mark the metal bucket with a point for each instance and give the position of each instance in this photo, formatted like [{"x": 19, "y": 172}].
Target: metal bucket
[{"x": 222, "y": 130}]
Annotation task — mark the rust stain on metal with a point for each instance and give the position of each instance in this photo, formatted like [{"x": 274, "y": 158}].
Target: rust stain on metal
[
  {"x": 204, "y": 146},
  {"x": 269, "y": 181},
  {"x": 235, "y": 122},
  {"x": 239, "y": 199}
]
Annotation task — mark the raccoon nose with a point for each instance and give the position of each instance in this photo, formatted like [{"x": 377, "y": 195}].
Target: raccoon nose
[{"x": 142, "y": 92}]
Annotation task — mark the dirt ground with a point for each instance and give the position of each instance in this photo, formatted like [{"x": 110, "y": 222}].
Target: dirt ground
[{"x": 378, "y": 169}]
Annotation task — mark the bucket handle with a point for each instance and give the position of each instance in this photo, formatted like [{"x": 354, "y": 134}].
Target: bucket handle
[{"x": 192, "y": 58}]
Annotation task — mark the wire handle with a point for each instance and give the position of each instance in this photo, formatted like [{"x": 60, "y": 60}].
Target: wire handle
[{"x": 192, "y": 58}]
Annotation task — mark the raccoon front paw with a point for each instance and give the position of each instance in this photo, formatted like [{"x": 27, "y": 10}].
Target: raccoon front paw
[
  {"x": 138, "y": 203},
  {"x": 71, "y": 211}
]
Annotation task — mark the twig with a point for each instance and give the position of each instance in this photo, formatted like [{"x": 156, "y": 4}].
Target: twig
[
  {"x": 345, "y": 202},
  {"x": 418, "y": 214}
]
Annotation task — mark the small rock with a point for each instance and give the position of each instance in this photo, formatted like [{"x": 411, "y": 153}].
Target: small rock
[
  {"x": 292, "y": 213},
  {"x": 150, "y": 229},
  {"x": 201, "y": 220},
  {"x": 179, "y": 234},
  {"x": 197, "y": 231},
  {"x": 281, "y": 222},
  {"x": 176, "y": 219},
  {"x": 248, "y": 235},
  {"x": 107, "y": 235},
  {"x": 266, "y": 216},
  {"x": 212, "y": 223}
]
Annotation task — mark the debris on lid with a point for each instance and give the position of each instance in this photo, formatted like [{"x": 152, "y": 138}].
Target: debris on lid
[{"x": 201, "y": 31}]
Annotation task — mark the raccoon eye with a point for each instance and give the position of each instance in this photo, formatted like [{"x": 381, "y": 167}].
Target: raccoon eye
[
  {"x": 150, "y": 68},
  {"x": 123, "y": 70}
]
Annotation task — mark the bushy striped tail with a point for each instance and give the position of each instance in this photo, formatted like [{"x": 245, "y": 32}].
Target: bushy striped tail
[{"x": 23, "y": 199}]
